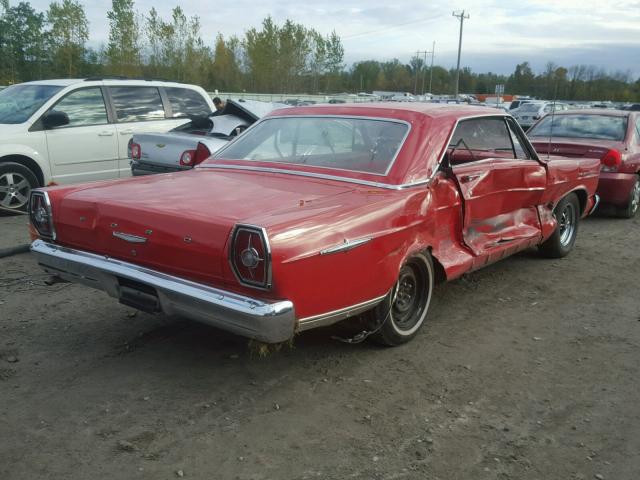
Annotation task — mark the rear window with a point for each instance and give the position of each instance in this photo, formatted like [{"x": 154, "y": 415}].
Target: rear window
[
  {"x": 530, "y": 107},
  {"x": 136, "y": 104},
  {"x": 353, "y": 144},
  {"x": 186, "y": 102},
  {"x": 581, "y": 126}
]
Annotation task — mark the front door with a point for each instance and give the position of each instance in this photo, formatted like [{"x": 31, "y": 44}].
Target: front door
[
  {"x": 500, "y": 183},
  {"x": 87, "y": 148}
]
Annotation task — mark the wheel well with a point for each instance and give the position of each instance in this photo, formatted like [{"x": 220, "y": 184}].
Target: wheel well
[
  {"x": 27, "y": 162},
  {"x": 582, "y": 198}
]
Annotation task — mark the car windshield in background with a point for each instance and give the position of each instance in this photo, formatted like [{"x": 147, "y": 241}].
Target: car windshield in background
[
  {"x": 19, "y": 102},
  {"x": 354, "y": 144},
  {"x": 582, "y": 126}
]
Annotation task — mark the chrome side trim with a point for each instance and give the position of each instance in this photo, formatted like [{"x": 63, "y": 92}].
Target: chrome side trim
[
  {"x": 329, "y": 318},
  {"x": 269, "y": 321},
  {"x": 357, "y": 181},
  {"x": 346, "y": 246},
  {"x": 218, "y": 154},
  {"x": 595, "y": 204},
  {"x": 127, "y": 237}
]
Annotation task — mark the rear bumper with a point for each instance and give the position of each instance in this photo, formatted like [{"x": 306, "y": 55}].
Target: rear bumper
[
  {"x": 269, "y": 322},
  {"x": 141, "y": 168},
  {"x": 615, "y": 188}
]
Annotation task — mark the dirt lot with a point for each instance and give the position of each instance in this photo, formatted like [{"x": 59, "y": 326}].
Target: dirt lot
[{"x": 527, "y": 370}]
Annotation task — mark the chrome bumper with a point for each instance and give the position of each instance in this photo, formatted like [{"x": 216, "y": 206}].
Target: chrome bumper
[{"x": 269, "y": 322}]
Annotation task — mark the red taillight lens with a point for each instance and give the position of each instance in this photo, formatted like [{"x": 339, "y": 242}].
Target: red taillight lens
[
  {"x": 186, "y": 159},
  {"x": 250, "y": 256},
  {"x": 612, "y": 159},
  {"x": 40, "y": 214},
  {"x": 136, "y": 151},
  {"x": 202, "y": 153}
]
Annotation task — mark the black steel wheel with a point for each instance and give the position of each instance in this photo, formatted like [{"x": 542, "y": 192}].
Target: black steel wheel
[{"x": 400, "y": 315}]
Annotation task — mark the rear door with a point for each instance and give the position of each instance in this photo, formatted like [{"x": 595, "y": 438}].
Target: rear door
[
  {"x": 501, "y": 183},
  {"x": 138, "y": 109},
  {"x": 87, "y": 148}
]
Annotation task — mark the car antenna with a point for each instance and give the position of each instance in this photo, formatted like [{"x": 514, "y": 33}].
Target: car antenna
[{"x": 553, "y": 114}]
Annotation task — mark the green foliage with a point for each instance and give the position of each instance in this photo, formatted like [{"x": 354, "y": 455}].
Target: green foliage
[
  {"x": 274, "y": 58},
  {"x": 123, "y": 50}
]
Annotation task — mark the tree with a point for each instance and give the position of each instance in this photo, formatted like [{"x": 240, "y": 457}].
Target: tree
[
  {"x": 68, "y": 35},
  {"x": 123, "y": 50},
  {"x": 22, "y": 43}
]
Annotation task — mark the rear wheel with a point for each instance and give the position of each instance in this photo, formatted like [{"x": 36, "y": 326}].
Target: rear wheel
[
  {"x": 401, "y": 314},
  {"x": 16, "y": 183},
  {"x": 567, "y": 214},
  {"x": 634, "y": 202}
]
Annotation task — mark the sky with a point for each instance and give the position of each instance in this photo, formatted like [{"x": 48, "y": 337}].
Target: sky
[{"x": 496, "y": 36}]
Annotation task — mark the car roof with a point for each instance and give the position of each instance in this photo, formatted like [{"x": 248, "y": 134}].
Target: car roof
[
  {"x": 65, "y": 82},
  {"x": 377, "y": 109}
]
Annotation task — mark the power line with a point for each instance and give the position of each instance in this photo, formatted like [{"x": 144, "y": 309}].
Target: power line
[
  {"x": 391, "y": 27},
  {"x": 462, "y": 16}
]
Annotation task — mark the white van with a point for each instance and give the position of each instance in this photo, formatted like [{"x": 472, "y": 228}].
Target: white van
[{"x": 78, "y": 130}]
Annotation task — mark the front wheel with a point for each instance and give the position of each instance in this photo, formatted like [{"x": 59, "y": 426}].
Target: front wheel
[
  {"x": 403, "y": 311},
  {"x": 567, "y": 214},
  {"x": 634, "y": 202},
  {"x": 16, "y": 183}
]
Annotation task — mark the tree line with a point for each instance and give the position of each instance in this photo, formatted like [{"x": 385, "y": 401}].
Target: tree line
[{"x": 274, "y": 58}]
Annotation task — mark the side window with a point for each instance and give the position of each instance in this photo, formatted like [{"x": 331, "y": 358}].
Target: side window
[
  {"x": 520, "y": 150},
  {"x": 480, "y": 138},
  {"x": 185, "y": 102},
  {"x": 638, "y": 129},
  {"x": 136, "y": 104},
  {"x": 84, "y": 107}
]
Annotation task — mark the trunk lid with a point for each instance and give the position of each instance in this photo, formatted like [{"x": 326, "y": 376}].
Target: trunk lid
[
  {"x": 180, "y": 223},
  {"x": 165, "y": 149},
  {"x": 576, "y": 148}
]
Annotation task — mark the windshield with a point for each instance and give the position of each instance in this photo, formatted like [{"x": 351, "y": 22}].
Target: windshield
[
  {"x": 19, "y": 102},
  {"x": 354, "y": 144},
  {"x": 582, "y": 126},
  {"x": 530, "y": 107}
]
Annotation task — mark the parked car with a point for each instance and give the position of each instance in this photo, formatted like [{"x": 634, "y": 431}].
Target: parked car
[
  {"x": 317, "y": 214},
  {"x": 515, "y": 104},
  {"x": 68, "y": 131},
  {"x": 530, "y": 113},
  {"x": 187, "y": 145},
  {"x": 612, "y": 135}
]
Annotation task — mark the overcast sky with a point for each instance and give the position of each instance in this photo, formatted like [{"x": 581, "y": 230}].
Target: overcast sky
[{"x": 497, "y": 36}]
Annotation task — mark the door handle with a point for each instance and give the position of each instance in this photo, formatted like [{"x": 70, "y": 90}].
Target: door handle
[
  {"x": 126, "y": 132},
  {"x": 469, "y": 178},
  {"x": 105, "y": 134}
]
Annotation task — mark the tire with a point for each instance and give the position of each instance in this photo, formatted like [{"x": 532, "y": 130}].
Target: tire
[
  {"x": 634, "y": 202},
  {"x": 567, "y": 213},
  {"x": 16, "y": 183},
  {"x": 403, "y": 311}
]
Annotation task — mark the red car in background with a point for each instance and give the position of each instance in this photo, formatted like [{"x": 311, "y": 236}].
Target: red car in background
[
  {"x": 612, "y": 135},
  {"x": 316, "y": 214}
]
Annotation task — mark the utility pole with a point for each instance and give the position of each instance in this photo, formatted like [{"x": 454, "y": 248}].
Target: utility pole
[
  {"x": 422, "y": 67},
  {"x": 462, "y": 16},
  {"x": 433, "y": 51}
]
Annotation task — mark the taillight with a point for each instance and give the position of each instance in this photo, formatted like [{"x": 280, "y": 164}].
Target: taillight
[
  {"x": 611, "y": 160},
  {"x": 191, "y": 158},
  {"x": 250, "y": 256},
  {"x": 136, "y": 151},
  {"x": 40, "y": 214},
  {"x": 202, "y": 153},
  {"x": 186, "y": 159}
]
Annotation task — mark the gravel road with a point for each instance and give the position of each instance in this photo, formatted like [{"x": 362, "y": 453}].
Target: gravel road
[{"x": 527, "y": 369}]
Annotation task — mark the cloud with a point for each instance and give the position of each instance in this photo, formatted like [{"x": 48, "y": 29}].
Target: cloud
[{"x": 497, "y": 35}]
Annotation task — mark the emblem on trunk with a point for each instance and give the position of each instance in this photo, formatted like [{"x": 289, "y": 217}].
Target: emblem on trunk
[{"x": 127, "y": 237}]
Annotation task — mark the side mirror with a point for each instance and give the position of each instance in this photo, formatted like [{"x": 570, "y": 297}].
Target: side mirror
[{"x": 54, "y": 119}]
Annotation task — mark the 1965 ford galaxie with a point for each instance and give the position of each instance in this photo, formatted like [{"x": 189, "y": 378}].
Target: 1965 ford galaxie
[{"x": 317, "y": 214}]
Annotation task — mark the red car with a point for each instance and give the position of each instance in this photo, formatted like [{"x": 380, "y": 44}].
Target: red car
[
  {"x": 612, "y": 135},
  {"x": 316, "y": 214}
]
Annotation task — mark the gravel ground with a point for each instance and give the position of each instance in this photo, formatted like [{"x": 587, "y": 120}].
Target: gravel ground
[{"x": 527, "y": 369}]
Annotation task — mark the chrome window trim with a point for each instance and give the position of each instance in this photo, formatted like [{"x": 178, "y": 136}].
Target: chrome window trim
[
  {"x": 220, "y": 152},
  {"x": 268, "y": 271},
  {"x": 462, "y": 119},
  {"x": 358, "y": 181},
  {"x": 47, "y": 203}
]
